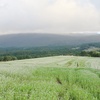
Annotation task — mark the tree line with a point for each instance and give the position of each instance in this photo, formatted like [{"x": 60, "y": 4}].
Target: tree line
[
  {"x": 22, "y": 53},
  {"x": 9, "y": 54},
  {"x": 90, "y": 53}
]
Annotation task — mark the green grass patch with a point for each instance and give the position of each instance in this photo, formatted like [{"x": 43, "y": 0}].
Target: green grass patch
[
  {"x": 51, "y": 78},
  {"x": 51, "y": 84}
]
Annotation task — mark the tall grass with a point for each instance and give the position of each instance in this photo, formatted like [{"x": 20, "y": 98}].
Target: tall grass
[{"x": 49, "y": 83}]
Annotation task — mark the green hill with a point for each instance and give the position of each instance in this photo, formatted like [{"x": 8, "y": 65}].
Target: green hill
[{"x": 51, "y": 78}]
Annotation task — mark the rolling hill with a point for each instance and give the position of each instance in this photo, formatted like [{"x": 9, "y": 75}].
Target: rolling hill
[
  {"x": 51, "y": 78},
  {"x": 36, "y": 40}
]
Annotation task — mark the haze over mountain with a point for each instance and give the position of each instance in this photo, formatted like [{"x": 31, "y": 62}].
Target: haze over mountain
[{"x": 35, "y": 40}]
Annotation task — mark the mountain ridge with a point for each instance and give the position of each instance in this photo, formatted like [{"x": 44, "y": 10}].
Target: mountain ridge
[{"x": 40, "y": 39}]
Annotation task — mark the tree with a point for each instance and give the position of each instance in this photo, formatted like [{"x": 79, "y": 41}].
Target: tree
[{"x": 8, "y": 58}]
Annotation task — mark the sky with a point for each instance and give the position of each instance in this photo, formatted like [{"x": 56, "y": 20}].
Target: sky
[{"x": 49, "y": 16}]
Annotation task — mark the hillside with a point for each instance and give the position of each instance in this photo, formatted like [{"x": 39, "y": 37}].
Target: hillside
[
  {"x": 35, "y": 40},
  {"x": 18, "y": 53},
  {"x": 51, "y": 78}
]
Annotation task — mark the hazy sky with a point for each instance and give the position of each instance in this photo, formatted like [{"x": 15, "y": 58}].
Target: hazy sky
[{"x": 50, "y": 16}]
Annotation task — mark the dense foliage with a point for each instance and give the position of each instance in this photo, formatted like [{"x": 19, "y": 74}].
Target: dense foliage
[
  {"x": 7, "y": 54},
  {"x": 90, "y": 53},
  {"x": 27, "y": 53}
]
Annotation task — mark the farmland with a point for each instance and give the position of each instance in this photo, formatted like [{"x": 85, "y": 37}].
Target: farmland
[{"x": 51, "y": 78}]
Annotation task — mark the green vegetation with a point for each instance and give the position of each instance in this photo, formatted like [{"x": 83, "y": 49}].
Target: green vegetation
[
  {"x": 90, "y": 53},
  {"x": 36, "y": 52},
  {"x": 7, "y": 54},
  {"x": 51, "y": 78},
  {"x": 7, "y": 58}
]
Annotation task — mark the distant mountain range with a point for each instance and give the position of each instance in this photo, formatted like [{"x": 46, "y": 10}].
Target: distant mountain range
[{"x": 36, "y": 40}]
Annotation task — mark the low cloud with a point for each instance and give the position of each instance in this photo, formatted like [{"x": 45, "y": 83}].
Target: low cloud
[{"x": 50, "y": 16}]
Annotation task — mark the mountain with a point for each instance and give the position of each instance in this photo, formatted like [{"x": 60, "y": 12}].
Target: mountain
[{"x": 36, "y": 39}]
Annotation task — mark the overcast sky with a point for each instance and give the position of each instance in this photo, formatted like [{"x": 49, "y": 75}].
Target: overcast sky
[{"x": 49, "y": 16}]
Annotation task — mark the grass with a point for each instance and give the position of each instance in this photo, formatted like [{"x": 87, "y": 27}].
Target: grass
[{"x": 51, "y": 78}]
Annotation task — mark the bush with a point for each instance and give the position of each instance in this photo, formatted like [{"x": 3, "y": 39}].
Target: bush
[{"x": 8, "y": 58}]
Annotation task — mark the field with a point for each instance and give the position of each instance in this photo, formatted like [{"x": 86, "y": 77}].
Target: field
[{"x": 51, "y": 78}]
